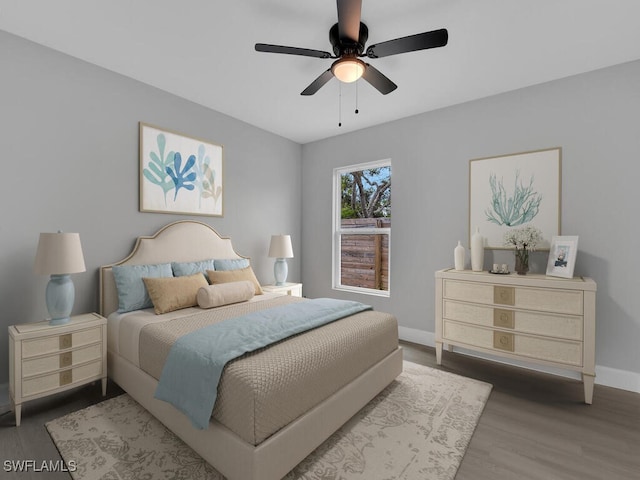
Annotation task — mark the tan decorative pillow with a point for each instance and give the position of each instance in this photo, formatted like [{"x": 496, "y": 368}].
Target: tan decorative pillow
[
  {"x": 173, "y": 293},
  {"x": 225, "y": 294},
  {"x": 226, "y": 276}
]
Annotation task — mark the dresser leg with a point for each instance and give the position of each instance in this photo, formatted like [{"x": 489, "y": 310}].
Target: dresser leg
[
  {"x": 104, "y": 387},
  {"x": 439, "y": 353},
  {"x": 588, "y": 381},
  {"x": 18, "y": 411}
]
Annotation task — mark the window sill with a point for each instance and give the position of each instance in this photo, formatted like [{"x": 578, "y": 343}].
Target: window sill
[{"x": 363, "y": 291}]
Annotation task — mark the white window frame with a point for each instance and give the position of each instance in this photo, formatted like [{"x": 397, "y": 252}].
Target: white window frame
[{"x": 338, "y": 231}]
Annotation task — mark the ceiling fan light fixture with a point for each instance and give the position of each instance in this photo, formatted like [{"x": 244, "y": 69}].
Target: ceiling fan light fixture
[{"x": 348, "y": 69}]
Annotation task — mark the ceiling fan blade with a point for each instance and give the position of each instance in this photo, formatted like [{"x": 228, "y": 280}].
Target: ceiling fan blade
[
  {"x": 420, "y": 41},
  {"x": 305, "y": 52},
  {"x": 349, "y": 13},
  {"x": 318, "y": 83},
  {"x": 379, "y": 81}
]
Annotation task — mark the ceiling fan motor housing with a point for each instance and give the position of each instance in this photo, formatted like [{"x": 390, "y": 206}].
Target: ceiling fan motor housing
[{"x": 346, "y": 46}]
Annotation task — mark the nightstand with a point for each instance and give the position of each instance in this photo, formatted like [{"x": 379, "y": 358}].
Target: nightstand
[
  {"x": 293, "y": 289},
  {"x": 46, "y": 359}
]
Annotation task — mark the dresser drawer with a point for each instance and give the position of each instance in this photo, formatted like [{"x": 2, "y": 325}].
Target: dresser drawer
[
  {"x": 522, "y": 321},
  {"x": 468, "y": 291},
  {"x": 45, "y": 383},
  {"x": 55, "y": 343},
  {"x": 51, "y": 363},
  {"x": 553, "y": 350},
  {"x": 538, "y": 299}
]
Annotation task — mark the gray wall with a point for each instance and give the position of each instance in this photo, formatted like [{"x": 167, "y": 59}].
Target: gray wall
[
  {"x": 69, "y": 146},
  {"x": 69, "y": 139},
  {"x": 593, "y": 117}
]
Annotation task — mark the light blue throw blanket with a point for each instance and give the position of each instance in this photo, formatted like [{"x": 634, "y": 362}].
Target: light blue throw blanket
[{"x": 191, "y": 373}]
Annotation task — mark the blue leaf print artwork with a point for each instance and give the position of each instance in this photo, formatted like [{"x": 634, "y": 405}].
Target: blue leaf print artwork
[
  {"x": 156, "y": 171},
  {"x": 209, "y": 189},
  {"x": 202, "y": 164},
  {"x": 181, "y": 177}
]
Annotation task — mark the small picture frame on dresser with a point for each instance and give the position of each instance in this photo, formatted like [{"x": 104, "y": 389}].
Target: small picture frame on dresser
[{"x": 562, "y": 256}]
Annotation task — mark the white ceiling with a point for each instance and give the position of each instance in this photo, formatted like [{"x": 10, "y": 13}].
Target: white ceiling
[{"x": 203, "y": 50}]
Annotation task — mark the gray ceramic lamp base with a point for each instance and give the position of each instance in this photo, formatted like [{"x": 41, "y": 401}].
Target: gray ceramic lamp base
[
  {"x": 60, "y": 295},
  {"x": 280, "y": 271}
]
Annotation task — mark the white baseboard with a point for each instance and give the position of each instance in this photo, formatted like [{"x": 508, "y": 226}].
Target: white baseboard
[
  {"x": 420, "y": 337},
  {"x": 613, "y": 377},
  {"x": 606, "y": 376},
  {"x": 5, "y": 402}
]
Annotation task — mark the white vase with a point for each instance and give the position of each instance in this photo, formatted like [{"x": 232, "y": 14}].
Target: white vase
[
  {"x": 477, "y": 251},
  {"x": 458, "y": 257}
]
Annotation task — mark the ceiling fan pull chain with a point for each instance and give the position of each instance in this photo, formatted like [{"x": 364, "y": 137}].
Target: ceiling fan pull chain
[
  {"x": 357, "y": 97},
  {"x": 339, "y": 104}
]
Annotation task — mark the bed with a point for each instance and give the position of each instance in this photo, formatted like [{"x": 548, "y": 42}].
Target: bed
[{"x": 251, "y": 442}]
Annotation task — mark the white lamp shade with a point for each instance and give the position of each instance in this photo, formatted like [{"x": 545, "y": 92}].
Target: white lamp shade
[
  {"x": 348, "y": 69},
  {"x": 281, "y": 246},
  {"x": 59, "y": 254}
]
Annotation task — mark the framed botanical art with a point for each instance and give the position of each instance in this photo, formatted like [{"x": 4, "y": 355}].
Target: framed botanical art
[
  {"x": 179, "y": 174},
  {"x": 516, "y": 190},
  {"x": 562, "y": 256}
]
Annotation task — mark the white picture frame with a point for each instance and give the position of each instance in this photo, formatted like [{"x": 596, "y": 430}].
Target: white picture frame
[
  {"x": 562, "y": 256},
  {"x": 515, "y": 190}
]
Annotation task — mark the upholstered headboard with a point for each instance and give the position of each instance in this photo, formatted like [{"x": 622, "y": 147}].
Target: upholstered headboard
[{"x": 182, "y": 241}]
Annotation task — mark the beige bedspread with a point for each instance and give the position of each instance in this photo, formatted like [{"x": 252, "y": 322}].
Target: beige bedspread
[{"x": 261, "y": 392}]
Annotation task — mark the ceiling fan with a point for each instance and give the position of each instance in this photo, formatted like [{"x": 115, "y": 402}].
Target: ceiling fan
[{"x": 348, "y": 38}]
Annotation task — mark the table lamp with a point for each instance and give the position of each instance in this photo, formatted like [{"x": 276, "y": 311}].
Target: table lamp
[
  {"x": 281, "y": 249},
  {"x": 59, "y": 254}
]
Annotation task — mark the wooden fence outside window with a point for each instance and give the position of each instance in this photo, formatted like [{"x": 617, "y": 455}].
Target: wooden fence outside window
[{"x": 365, "y": 258}]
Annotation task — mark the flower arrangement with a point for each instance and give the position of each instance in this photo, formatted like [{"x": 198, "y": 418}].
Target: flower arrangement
[{"x": 525, "y": 240}]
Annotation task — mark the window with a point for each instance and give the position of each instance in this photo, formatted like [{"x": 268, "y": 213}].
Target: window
[{"x": 362, "y": 227}]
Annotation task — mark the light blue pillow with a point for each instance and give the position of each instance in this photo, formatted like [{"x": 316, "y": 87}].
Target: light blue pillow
[
  {"x": 132, "y": 294},
  {"x": 182, "y": 269},
  {"x": 231, "y": 264}
]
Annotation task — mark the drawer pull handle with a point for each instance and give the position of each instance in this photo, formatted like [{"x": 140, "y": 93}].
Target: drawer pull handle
[
  {"x": 66, "y": 359},
  {"x": 504, "y": 295},
  {"x": 66, "y": 377},
  {"x": 65, "y": 341},
  {"x": 503, "y": 318},
  {"x": 503, "y": 341}
]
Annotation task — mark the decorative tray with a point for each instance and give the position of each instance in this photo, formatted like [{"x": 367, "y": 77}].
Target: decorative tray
[{"x": 499, "y": 273}]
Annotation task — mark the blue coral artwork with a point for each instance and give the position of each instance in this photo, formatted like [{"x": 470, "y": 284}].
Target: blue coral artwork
[
  {"x": 179, "y": 174},
  {"x": 513, "y": 191}
]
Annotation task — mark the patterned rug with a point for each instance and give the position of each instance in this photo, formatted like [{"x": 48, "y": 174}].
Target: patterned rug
[{"x": 418, "y": 427}]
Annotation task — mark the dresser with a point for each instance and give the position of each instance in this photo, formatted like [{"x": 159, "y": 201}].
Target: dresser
[
  {"x": 534, "y": 318},
  {"x": 46, "y": 359}
]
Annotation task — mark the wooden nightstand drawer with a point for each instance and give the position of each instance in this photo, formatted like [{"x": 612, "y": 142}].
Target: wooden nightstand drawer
[
  {"x": 44, "y": 383},
  {"x": 51, "y": 363},
  {"x": 55, "y": 343}
]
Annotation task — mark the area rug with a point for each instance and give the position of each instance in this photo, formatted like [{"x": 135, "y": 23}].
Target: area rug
[{"x": 417, "y": 428}]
